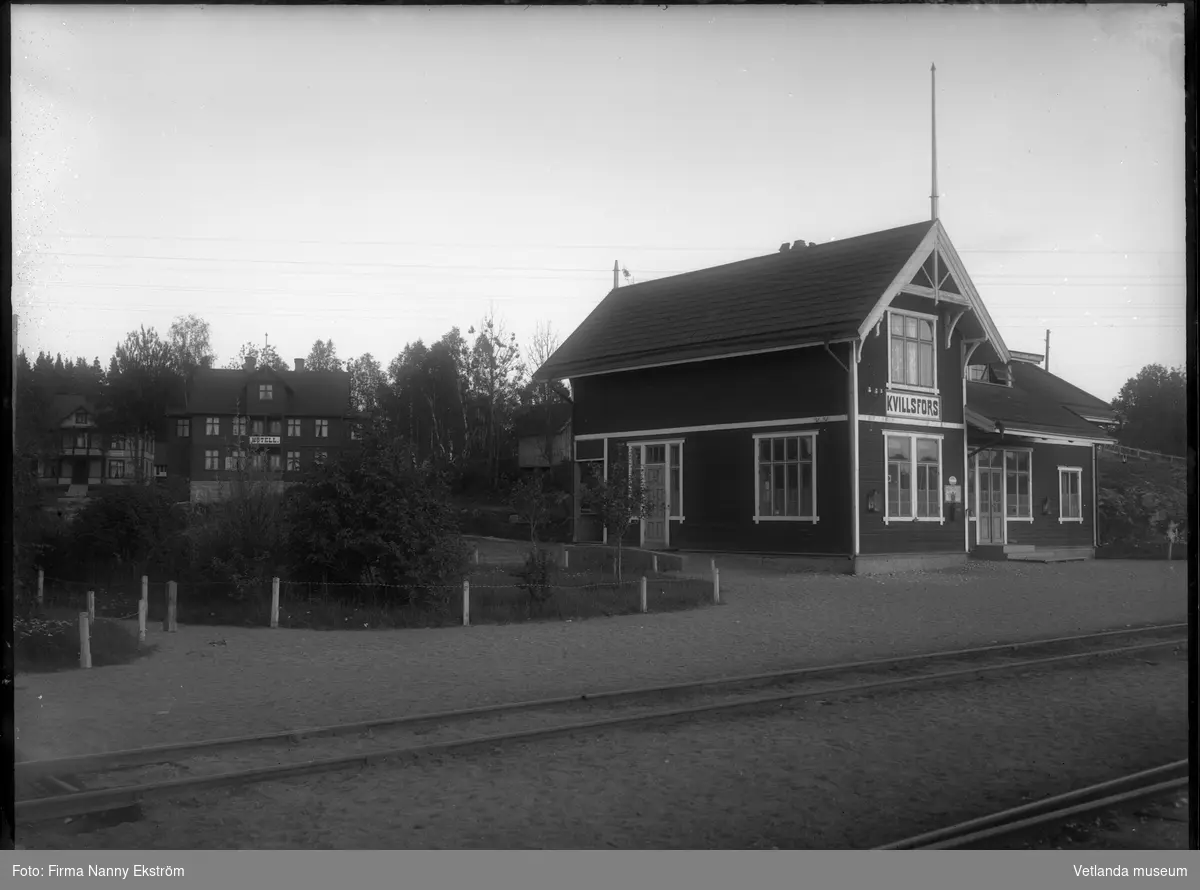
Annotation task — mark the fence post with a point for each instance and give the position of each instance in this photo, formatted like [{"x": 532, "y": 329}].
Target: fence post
[
  {"x": 274, "y": 602},
  {"x": 643, "y": 593},
  {"x": 143, "y": 607},
  {"x": 41, "y": 586},
  {"x": 145, "y": 588},
  {"x": 172, "y": 595},
  {"x": 475, "y": 554},
  {"x": 654, "y": 562},
  {"x": 85, "y": 643},
  {"x": 716, "y": 586},
  {"x": 91, "y": 605},
  {"x": 466, "y": 603},
  {"x": 566, "y": 557}
]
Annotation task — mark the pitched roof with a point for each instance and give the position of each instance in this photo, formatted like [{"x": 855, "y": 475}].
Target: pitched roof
[
  {"x": 803, "y": 295},
  {"x": 220, "y": 390},
  {"x": 1037, "y": 401},
  {"x": 64, "y": 405}
]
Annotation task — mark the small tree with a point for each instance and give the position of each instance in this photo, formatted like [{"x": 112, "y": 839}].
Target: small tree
[
  {"x": 534, "y": 503},
  {"x": 620, "y": 500}
]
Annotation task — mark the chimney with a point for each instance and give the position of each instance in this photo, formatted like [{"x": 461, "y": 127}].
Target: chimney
[
  {"x": 784, "y": 247},
  {"x": 299, "y": 364},
  {"x": 799, "y": 245},
  {"x": 248, "y": 364}
]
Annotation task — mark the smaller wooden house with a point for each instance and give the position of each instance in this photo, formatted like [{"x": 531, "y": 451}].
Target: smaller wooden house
[{"x": 851, "y": 400}]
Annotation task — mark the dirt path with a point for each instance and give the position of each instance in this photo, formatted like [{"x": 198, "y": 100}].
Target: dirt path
[
  {"x": 208, "y": 682},
  {"x": 846, "y": 774}
]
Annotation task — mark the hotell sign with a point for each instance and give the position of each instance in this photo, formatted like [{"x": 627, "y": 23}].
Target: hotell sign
[
  {"x": 906, "y": 405},
  {"x": 264, "y": 440}
]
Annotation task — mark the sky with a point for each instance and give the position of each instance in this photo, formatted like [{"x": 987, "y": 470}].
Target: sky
[{"x": 379, "y": 175}]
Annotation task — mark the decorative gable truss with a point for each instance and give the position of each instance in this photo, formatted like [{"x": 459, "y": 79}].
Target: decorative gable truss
[{"x": 936, "y": 272}]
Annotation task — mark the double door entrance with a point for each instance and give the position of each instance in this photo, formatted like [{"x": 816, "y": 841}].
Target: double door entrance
[
  {"x": 652, "y": 460},
  {"x": 989, "y": 512}
]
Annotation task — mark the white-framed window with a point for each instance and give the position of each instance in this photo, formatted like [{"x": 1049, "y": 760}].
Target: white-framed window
[
  {"x": 977, "y": 373},
  {"x": 81, "y": 440},
  {"x": 293, "y": 461},
  {"x": 293, "y": 426},
  {"x": 1070, "y": 494},
  {"x": 914, "y": 477},
  {"x": 160, "y": 470},
  {"x": 212, "y": 426},
  {"x": 236, "y": 459},
  {"x": 785, "y": 476},
  {"x": 675, "y": 481},
  {"x": 116, "y": 469},
  {"x": 274, "y": 427},
  {"x": 274, "y": 461},
  {"x": 911, "y": 346},
  {"x": 81, "y": 418},
  {"x": 590, "y": 471},
  {"x": 239, "y": 426},
  {"x": 183, "y": 427},
  {"x": 256, "y": 428},
  {"x": 1018, "y": 484},
  {"x": 212, "y": 460},
  {"x": 266, "y": 391},
  {"x": 321, "y": 428}
]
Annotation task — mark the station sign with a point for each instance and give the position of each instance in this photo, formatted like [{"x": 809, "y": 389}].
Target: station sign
[{"x": 917, "y": 406}]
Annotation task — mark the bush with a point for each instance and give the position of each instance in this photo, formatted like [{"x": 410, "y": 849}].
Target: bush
[
  {"x": 536, "y": 577},
  {"x": 52, "y": 644}
]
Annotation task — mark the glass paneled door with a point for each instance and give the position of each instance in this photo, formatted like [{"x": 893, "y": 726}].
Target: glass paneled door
[
  {"x": 654, "y": 475},
  {"x": 989, "y": 473}
]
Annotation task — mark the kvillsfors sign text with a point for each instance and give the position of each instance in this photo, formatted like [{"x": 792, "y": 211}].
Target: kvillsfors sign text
[{"x": 908, "y": 405}]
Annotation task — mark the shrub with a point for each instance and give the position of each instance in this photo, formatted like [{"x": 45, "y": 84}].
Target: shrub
[
  {"x": 536, "y": 577},
  {"x": 51, "y": 644}
]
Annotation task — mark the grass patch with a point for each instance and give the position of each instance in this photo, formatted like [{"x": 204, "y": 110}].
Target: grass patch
[
  {"x": 1137, "y": 550},
  {"x": 577, "y": 596},
  {"x": 50, "y": 642}
]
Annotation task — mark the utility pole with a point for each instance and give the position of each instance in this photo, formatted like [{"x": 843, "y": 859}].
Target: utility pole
[
  {"x": 616, "y": 274},
  {"x": 933, "y": 197},
  {"x": 1047, "y": 350}
]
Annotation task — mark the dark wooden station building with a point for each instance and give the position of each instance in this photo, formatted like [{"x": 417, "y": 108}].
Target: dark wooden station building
[{"x": 851, "y": 400}]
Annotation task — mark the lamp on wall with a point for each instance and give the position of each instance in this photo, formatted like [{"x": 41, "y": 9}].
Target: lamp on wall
[
  {"x": 873, "y": 501},
  {"x": 1046, "y": 507}
]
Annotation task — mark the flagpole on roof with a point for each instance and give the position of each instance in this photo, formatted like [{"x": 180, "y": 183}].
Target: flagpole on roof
[{"x": 933, "y": 198}]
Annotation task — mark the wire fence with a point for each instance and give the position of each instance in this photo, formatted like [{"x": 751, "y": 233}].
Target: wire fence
[{"x": 488, "y": 595}]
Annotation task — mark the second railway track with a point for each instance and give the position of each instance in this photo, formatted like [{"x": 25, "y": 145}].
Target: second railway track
[{"x": 95, "y": 783}]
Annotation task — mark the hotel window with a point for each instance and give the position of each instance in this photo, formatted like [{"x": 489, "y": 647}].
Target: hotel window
[
  {"x": 256, "y": 428},
  {"x": 293, "y": 461},
  {"x": 81, "y": 440},
  {"x": 911, "y": 340},
  {"x": 275, "y": 427},
  {"x": 117, "y": 443},
  {"x": 212, "y": 426},
  {"x": 239, "y": 426},
  {"x": 266, "y": 391},
  {"x": 914, "y": 477},
  {"x": 81, "y": 417},
  {"x": 1070, "y": 500},
  {"x": 321, "y": 429},
  {"x": 274, "y": 462},
  {"x": 293, "y": 426},
  {"x": 786, "y": 477},
  {"x": 1017, "y": 472},
  {"x": 236, "y": 460},
  {"x": 212, "y": 460},
  {"x": 320, "y": 456},
  {"x": 183, "y": 427},
  {"x": 116, "y": 469}
]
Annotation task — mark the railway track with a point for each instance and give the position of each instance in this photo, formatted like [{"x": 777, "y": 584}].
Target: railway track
[
  {"x": 117, "y": 781},
  {"x": 1051, "y": 810}
]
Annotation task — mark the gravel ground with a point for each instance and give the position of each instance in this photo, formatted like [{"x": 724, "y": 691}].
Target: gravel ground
[
  {"x": 208, "y": 682},
  {"x": 850, "y": 774}
]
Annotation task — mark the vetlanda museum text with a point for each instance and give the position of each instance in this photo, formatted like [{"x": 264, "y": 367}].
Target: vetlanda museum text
[
  {"x": 97, "y": 871},
  {"x": 1120, "y": 871}
]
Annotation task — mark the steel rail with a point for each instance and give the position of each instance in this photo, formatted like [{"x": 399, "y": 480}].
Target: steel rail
[
  {"x": 1147, "y": 783},
  {"x": 111, "y": 798},
  {"x": 30, "y": 769}
]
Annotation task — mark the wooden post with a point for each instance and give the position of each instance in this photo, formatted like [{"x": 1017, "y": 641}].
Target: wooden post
[
  {"x": 41, "y": 586},
  {"x": 717, "y": 586},
  {"x": 91, "y": 605},
  {"x": 654, "y": 562},
  {"x": 85, "y": 642},
  {"x": 274, "y": 602},
  {"x": 566, "y": 557},
  {"x": 145, "y": 589},
  {"x": 143, "y": 607},
  {"x": 466, "y": 603},
  {"x": 172, "y": 594},
  {"x": 643, "y": 594}
]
